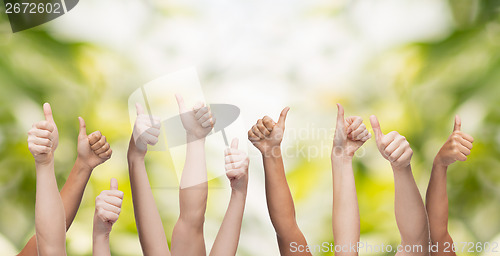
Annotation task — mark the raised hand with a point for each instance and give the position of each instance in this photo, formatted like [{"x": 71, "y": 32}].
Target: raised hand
[
  {"x": 107, "y": 208},
  {"x": 350, "y": 134},
  {"x": 146, "y": 130},
  {"x": 393, "y": 146},
  {"x": 457, "y": 147},
  {"x": 266, "y": 134},
  {"x": 93, "y": 149},
  {"x": 237, "y": 167},
  {"x": 198, "y": 121},
  {"x": 43, "y": 138}
]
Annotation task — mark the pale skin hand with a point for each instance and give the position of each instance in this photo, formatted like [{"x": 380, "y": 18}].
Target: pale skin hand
[
  {"x": 187, "y": 237},
  {"x": 266, "y": 135},
  {"x": 49, "y": 210},
  {"x": 456, "y": 148},
  {"x": 226, "y": 242},
  {"x": 411, "y": 216},
  {"x": 89, "y": 156},
  {"x": 107, "y": 210},
  {"x": 147, "y": 218},
  {"x": 350, "y": 134}
]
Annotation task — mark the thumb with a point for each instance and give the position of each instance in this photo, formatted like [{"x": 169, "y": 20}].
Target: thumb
[
  {"x": 376, "y": 128},
  {"x": 83, "y": 127},
  {"x": 113, "y": 184},
  {"x": 234, "y": 143},
  {"x": 139, "y": 109},
  {"x": 458, "y": 123},
  {"x": 180, "y": 103},
  {"x": 282, "y": 118},
  {"x": 47, "y": 111},
  {"x": 340, "y": 117}
]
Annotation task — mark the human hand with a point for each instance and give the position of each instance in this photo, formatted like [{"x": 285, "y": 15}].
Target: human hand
[
  {"x": 393, "y": 146},
  {"x": 266, "y": 134},
  {"x": 457, "y": 147},
  {"x": 146, "y": 131},
  {"x": 107, "y": 208},
  {"x": 93, "y": 149},
  {"x": 350, "y": 134},
  {"x": 43, "y": 138},
  {"x": 197, "y": 122},
  {"x": 236, "y": 167}
]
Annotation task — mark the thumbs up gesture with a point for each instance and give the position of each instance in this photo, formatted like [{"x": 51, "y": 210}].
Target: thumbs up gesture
[
  {"x": 350, "y": 134},
  {"x": 393, "y": 146},
  {"x": 236, "y": 167},
  {"x": 197, "y": 121},
  {"x": 108, "y": 206},
  {"x": 43, "y": 138},
  {"x": 146, "y": 130},
  {"x": 266, "y": 134},
  {"x": 93, "y": 149},
  {"x": 457, "y": 147}
]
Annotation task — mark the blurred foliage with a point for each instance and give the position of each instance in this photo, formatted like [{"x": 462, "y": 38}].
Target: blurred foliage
[{"x": 415, "y": 89}]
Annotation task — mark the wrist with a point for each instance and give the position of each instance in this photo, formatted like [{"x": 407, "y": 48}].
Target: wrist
[
  {"x": 272, "y": 152},
  {"x": 43, "y": 164},
  {"x": 82, "y": 166},
  {"x": 437, "y": 164},
  {"x": 192, "y": 138},
  {"x": 133, "y": 152}
]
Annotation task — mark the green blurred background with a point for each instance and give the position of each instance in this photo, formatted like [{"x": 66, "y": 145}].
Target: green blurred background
[{"x": 415, "y": 64}]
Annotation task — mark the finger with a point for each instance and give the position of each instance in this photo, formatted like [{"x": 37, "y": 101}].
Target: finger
[
  {"x": 461, "y": 157},
  {"x": 458, "y": 123},
  {"x": 207, "y": 123},
  {"x": 262, "y": 128},
  {"x": 465, "y": 143},
  {"x": 113, "y": 196},
  {"x": 376, "y": 128},
  {"x": 83, "y": 128},
  {"x": 268, "y": 123},
  {"x": 94, "y": 137},
  {"x": 256, "y": 131},
  {"x": 464, "y": 150},
  {"x": 405, "y": 157},
  {"x": 231, "y": 152},
  {"x": 153, "y": 131},
  {"x": 40, "y": 133},
  {"x": 393, "y": 145},
  {"x": 45, "y": 125},
  {"x": 47, "y": 111},
  {"x": 113, "y": 184},
  {"x": 358, "y": 131},
  {"x": 282, "y": 118},
  {"x": 40, "y": 141},
  {"x": 387, "y": 139},
  {"x": 363, "y": 134},
  {"x": 202, "y": 112},
  {"x": 234, "y": 158},
  {"x": 103, "y": 149},
  {"x": 149, "y": 139},
  {"x": 40, "y": 149},
  {"x": 234, "y": 165},
  {"x": 234, "y": 143},
  {"x": 139, "y": 109},
  {"x": 396, "y": 153},
  {"x": 356, "y": 122},
  {"x": 340, "y": 118},
  {"x": 467, "y": 137},
  {"x": 107, "y": 154},
  {"x": 99, "y": 144},
  {"x": 180, "y": 103},
  {"x": 252, "y": 137},
  {"x": 107, "y": 216},
  {"x": 367, "y": 137},
  {"x": 110, "y": 208}
]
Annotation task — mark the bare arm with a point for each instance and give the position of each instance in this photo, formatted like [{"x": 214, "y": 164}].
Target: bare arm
[
  {"x": 147, "y": 218},
  {"x": 93, "y": 150},
  {"x": 226, "y": 242},
  {"x": 457, "y": 147},
  {"x": 266, "y": 136},
  {"x": 349, "y": 136},
  {"x": 49, "y": 210},
  {"x": 107, "y": 210},
  {"x": 411, "y": 216},
  {"x": 187, "y": 236}
]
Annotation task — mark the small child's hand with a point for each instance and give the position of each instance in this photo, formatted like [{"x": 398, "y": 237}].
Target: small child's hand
[
  {"x": 393, "y": 146},
  {"x": 198, "y": 122},
  {"x": 107, "y": 208},
  {"x": 237, "y": 167},
  {"x": 43, "y": 138},
  {"x": 146, "y": 130},
  {"x": 350, "y": 134},
  {"x": 93, "y": 149},
  {"x": 457, "y": 147},
  {"x": 266, "y": 134}
]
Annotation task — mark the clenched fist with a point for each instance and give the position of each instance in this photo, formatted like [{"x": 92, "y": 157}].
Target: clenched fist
[
  {"x": 457, "y": 147},
  {"x": 236, "y": 167},
  {"x": 108, "y": 206},
  {"x": 43, "y": 138},
  {"x": 350, "y": 134},
  {"x": 266, "y": 134},
  {"x": 93, "y": 149},
  {"x": 146, "y": 130},
  {"x": 197, "y": 122},
  {"x": 393, "y": 146}
]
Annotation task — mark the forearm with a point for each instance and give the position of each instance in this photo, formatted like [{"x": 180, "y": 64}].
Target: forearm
[
  {"x": 194, "y": 186},
  {"x": 411, "y": 216},
  {"x": 345, "y": 217},
  {"x": 278, "y": 196},
  {"x": 226, "y": 242},
  {"x": 49, "y": 213},
  {"x": 73, "y": 189},
  {"x": 148, "y": 220},
  {"x": 437, "y": 202},
  {"x": 100, "y": 245}
]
